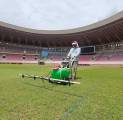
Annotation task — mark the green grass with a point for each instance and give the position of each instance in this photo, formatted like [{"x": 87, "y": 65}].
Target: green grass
[{"x": 98, "y": 97}]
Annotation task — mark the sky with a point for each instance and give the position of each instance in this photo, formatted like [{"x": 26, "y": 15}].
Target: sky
[{"x": 57, "y": 14}]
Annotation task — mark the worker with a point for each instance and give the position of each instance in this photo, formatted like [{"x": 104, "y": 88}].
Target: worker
[{"x": 73, "y": 57}]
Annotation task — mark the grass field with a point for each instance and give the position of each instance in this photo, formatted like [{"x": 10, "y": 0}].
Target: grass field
[{"x": 98, "y": 97}]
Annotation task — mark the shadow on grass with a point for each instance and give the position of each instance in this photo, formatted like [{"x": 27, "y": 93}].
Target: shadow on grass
[{"x": 52, "y": 90}]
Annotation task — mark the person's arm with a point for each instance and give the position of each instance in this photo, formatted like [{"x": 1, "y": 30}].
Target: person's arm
[
  {"x": 69, "y": 54},
  {"x": 78, "y": 51}
]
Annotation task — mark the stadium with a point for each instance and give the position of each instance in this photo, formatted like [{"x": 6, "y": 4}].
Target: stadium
[{"x": 36, "y": 52}]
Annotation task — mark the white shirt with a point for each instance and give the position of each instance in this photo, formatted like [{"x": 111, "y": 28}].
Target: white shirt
[{"x": 74, "y": 53}]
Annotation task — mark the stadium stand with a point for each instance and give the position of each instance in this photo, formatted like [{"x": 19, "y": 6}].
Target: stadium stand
[
  {"x": 17, "y": 53},
  {"x": 10, "y": 53},
  {"x": 23, "y": 44}
]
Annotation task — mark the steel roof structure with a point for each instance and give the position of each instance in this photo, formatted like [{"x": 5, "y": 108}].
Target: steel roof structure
[{"x": 104, "y": 32}]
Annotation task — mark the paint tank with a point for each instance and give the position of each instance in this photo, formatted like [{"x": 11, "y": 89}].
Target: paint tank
[{"x": 62, "y": 73}]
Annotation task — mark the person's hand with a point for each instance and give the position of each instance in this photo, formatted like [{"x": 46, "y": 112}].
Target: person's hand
[{"x": 68, "y": 57}]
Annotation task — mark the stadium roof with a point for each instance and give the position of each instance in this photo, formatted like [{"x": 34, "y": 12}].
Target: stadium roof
[{"x": 103, "y": 32}]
